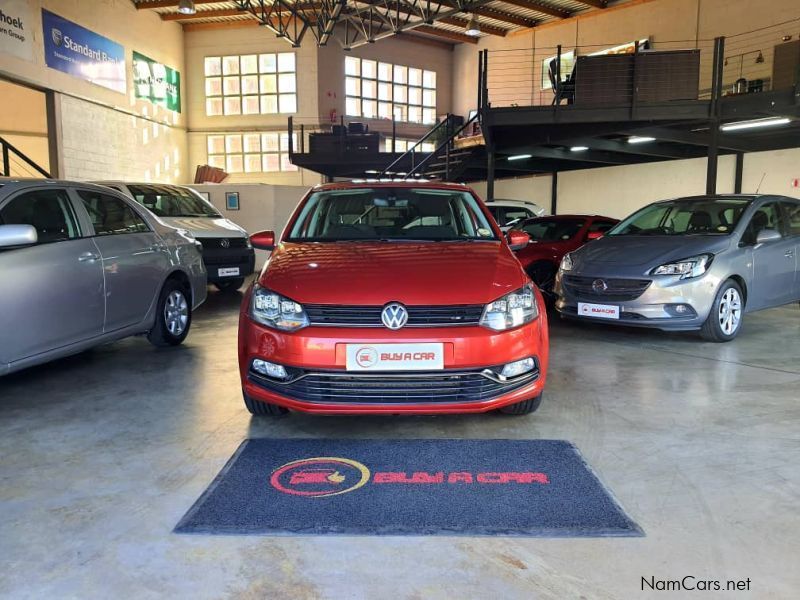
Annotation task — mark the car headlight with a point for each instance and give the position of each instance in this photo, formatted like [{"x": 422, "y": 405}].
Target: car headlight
[
  {"x": 273, "y": 310},
  {"x": 247, "y": 243},
  {"x": 687, "y": 268},
  {"x": 566, "y": 262},
  {"x": 512, "y": 310}
]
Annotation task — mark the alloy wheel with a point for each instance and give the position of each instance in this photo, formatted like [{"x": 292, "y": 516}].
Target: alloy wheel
[
  {"x": 730, "y": 311},
  {"x": 176, "y": 312}
]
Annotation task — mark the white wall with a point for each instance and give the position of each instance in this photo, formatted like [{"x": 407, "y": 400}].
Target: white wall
[{"x": 23, "y": 123}]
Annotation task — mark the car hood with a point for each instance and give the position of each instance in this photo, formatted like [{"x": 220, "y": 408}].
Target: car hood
[
  {"x": 645, "y": 251},
  {"x": 374, "y": 273},
  {"x": 206, "y": 227}
]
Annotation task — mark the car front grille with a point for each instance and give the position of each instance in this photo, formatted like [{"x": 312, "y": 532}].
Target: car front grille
[
  {"x": 403, "y": 388},
  {"x": 370, "y": 316},
  {"x": 220, "y": 243},
  {"x": 616, "y": 290}
]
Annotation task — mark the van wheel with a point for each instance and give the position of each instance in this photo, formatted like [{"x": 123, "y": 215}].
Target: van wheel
[
  {"x": 258, "y": 408},
  {"x": 525, "y": 407},
  {"x": 229, "y": 285},
  {"x": 725, "y": 319},
  {"x": 173, "y": 316}
]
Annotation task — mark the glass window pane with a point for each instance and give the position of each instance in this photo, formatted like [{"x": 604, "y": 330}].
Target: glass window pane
[
  {"x": 286, "y": 163},
  {"x": 287, "y": 103},
  {"x": 213, "y": 86},
  {"x": 249, "y": 64},
  {"x": 384, "y": 91},
  {"x": 269, "y": 105},
  {"x": 250, "y": 84},
  {"x": 267, "y": 63},
  {"x": 252, "y": 163},
  {"x": 352, "y": 65},
  {"x": 415, "y": 96},
  {"x": 252, "y": 142},
  {"x": 213, "y": 107},
  {"x": 230, "y": 65},
  {"x": 269, "y": 142},
  {"x": 400, "y": 93},
  {"x": 217, "y": 161},
  {"x": 231, "y": 86},
  {"x": 250, "y": 105},
  {"x": 213, "y": 65},
  {"x": 234, "y": 163},
  {"x": 271, "y": 163},
  {"x": 400, "y": 74},
  {"x": 285, "y": 141},
  {"x": 287, "y": 82},
  {"x": 429, "y": 79},
  {"x": 429, "y": 98},
  {"x": 352, "y": 86},
  {"x": 369, "y": 109},
  {"x": 384, "y": 110},
  {"x": 352, "y": 107},
  {"x": 415, "y": 76},
  {"x": 414, "y": 114},
  {"x": 399, "y": 112},
  {"x": 286, "y": 62},
  {"x": 216, "y": 144},
  {"x": 369, "y": 69},
  {"x": 384, "y": 71},
  {"x": 269, "y": 84},
  {"x": 233, "y": 105},
  {"x": 233, "y": 143},
  {"x": 429, "y": 116},
  {"x": 368, "y": 88}
]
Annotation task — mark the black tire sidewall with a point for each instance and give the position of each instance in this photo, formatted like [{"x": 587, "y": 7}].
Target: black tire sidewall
[
  {"x": 713, "y": 317},
  {"x": 161, "y": 320}
]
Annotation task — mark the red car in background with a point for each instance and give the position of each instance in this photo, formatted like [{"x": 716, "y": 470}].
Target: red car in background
[{"x": 551, "y": 238}]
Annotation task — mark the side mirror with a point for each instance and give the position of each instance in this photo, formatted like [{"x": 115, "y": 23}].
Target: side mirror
[
  {"x": 594, "y": 235},
  {"x": 17, "y": 235},
  {"x": 263, "y": 240},
  {"x": 768, "y": 235},
  {"x": 517, "y": 239}
]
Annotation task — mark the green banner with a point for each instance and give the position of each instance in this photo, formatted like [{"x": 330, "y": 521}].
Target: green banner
[{"x": 156, "y": 82}]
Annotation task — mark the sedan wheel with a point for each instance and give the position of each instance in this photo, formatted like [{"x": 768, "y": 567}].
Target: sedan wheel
[
  {"x": 173, "y": 316},
  {"x": 176, "y": 312},
  {"x": 730, "y": 311},
  {"x": 725, "y": 319}
]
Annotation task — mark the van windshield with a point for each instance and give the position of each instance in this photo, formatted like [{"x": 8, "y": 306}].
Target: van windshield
[
  {"x": 391, "y": 214},
  {"x": 171, "y": 201},
  {"x": 717, "y": 216}
]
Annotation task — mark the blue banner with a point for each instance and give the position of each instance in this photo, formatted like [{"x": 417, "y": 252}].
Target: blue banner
[{"x": 73, "y": 49}]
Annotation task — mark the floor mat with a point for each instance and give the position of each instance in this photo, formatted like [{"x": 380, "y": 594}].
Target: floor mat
[{"x": 540, "y": 488}]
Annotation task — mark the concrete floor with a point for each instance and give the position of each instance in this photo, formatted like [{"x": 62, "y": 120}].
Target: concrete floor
[{"x": 102, "y": 453}]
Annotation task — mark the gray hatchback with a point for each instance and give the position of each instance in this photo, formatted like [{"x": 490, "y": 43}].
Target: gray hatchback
[
  {"x": 695, "y": 263},
  {"x": 81, "y": 265}
]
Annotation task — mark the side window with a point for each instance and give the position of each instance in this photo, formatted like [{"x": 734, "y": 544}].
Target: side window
[
  {"x": 601, "y": 226},
  {"x": 792, "y": 212},
  {"x": 111, "y": 215},
  {"x": 497, "y": 213},
  {"x": 49, "y": 211},
  {"x": 766, "y": 217},
  {"x": 515, "y": 215}
]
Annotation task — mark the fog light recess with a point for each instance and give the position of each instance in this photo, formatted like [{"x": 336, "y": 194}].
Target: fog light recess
[
  {"x": 518, "y": 367},
  {"x": 269, "y": 369}
]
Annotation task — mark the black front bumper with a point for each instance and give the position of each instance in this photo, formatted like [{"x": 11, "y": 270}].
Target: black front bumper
[{"x": 235, "y": 256}]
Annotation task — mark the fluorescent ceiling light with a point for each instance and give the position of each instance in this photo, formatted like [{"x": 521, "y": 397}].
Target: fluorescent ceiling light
[
  {"x": 578, "y": 148},
  {"x": 640, "y": 139},
  {"x": 519, "y": 156},
  {"x": 473, "y": 28},
  {"x": 186, "y": 7},
  {"x": 768, "y": 122}
]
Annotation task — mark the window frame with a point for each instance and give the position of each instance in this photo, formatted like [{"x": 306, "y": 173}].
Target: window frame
[
  {"x": 78, "y": 222},
  {"x": 131, "y": 204}
]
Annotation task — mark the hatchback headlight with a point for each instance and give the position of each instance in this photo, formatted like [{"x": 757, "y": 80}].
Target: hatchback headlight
[
  {"x": 273, "y": 310},
  {"x": 512, "y": 310},
  {"x": 687, "y": 268},
  {"x": 566, "y": 262}
]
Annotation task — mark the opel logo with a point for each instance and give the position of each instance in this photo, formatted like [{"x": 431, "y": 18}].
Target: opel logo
[
  {"x": 599, "y": 286},
  {"x": 226, "y": 243},
  {"x": 57, "y": 36},
  {"x": 394, "y": 315}
]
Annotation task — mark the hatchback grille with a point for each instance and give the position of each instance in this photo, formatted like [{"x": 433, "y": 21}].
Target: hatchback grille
[
  {"x": 370, "y": 316},
  {"x": 617, "y": 290},
  {"x": 406, "y": 388},
  {"x": 220, "y": 243}
]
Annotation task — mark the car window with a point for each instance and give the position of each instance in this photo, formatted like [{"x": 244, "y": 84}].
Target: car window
[
  {"x": 49, "y": 211},
  {"x": 172, "y": 201},
  {"x": 601, "y": 226},
  {"x": 111, "y": 215},
  {"x": 718, "y": 216},
  {"x": 792, "y": 212},
  {"x": 513, "y": 215},
  {"x": 553, "y": 230},
  {"x": 766, "y": 217}
]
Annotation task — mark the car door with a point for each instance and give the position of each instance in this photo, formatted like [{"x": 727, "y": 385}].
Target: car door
[
  {"x": 134, "y": 257},
  {"x": 52, "y": 291},
  {"x": 773, "y": 263},
  {"x": 791, "y": 212}
]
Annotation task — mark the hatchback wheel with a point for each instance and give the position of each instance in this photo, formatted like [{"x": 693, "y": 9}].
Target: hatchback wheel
[
  {"x": 525, "y": 407},
  {"x": 173, "y": 316},
  {"x": 258, "y": 408},
  {"x": 725, "y": 319}
]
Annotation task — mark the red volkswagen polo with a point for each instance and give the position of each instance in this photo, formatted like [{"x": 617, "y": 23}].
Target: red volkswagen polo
[{"x": 399, "y": 297}]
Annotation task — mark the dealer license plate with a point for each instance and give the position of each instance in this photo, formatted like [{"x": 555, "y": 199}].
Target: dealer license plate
[
  {"x": 599, "y": 311},
  {"x": 228, "y": 272},
  {"x": 395, "y": 357}
]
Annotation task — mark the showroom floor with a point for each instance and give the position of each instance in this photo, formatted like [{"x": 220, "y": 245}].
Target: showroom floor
[{"x": 101, "y": 454}]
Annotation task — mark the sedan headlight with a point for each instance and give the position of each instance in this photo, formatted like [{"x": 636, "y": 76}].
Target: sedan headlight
[
  {"x": 273, "y": 310},
  {"x": 566, "y": 262},
  {"x": 512, "y": 310},
  {"x": 687, "y": 268}
]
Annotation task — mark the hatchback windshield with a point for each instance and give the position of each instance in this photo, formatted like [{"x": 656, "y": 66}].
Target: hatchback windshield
[
  {"x": 169, "y": 201},
  {"x": 387, "y": 213},
  {"x": 685, "y": 217},
  {"x": 553, "y": 230}
]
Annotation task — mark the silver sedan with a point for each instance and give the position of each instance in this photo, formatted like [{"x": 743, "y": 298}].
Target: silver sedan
[
  {"x": 83, "y": 265},
  {"x": 697, "y": 263}
]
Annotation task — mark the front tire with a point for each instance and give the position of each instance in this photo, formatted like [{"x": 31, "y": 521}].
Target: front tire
[
  {"x": 229, "y": 285},
  {"x": 263, "y": 409},
  {"x": 525, "y": 407},
  {"x": 173, "y": 316},
  {"x": 725, "y": 319}
]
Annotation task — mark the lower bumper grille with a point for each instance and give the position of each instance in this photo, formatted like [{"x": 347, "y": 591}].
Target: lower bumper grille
[
  {"x": 599, "y": 289},
  {"x": 441, "y": 387}
]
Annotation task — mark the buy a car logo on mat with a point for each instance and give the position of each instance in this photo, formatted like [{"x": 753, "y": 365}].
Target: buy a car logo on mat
[{"x": 330, "y": 476}]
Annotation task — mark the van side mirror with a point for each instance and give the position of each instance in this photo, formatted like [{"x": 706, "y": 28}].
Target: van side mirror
[
  {"x": 594, "y": 235},
  {"x": 768, "y": 235},
  {"x": 263, "y": 240},
  {"x": 17, "y": 235},
  {"x": 517, "y": 239}
]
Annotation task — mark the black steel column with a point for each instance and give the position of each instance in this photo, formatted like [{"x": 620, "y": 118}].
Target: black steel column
[
  {"x": 554, "y": 193},
  {"x": 737, "y": 181},
  {"x": 490, "y": 159},
  {"x": 716, "y": 94}
]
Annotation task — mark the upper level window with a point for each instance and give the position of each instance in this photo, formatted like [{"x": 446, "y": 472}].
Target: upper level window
[
  {"x": 251, "y": 84},
  {"x": 379, "y": 90},
  {"x": 251, "y": 152}
]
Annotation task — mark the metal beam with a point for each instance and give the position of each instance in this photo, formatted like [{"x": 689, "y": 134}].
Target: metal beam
[
  {"x": 493, "y": 13},
  {"x": 168, "y": 4},
  {"x": 541, "y": 8},
  {"x": 446, "y": 33},
  {"x": 459, "y": 22},
  {"x": 595, "y": 3},
  {"x": 204, "y": 14}
]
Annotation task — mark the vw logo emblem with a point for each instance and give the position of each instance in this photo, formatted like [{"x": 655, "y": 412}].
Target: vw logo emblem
[
  {"x": 394, "y": 315},
  {"x": 599, "y": 286},
  {"x": 226, "y": 243}
]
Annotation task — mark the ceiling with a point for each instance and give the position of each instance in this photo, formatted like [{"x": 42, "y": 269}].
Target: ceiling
[{"x": 353, "y": 23}]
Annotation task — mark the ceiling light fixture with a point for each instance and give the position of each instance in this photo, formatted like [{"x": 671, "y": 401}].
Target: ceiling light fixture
[
  {"x": 186, "y": 7},
  {"x": 640, "y": 139},
  {"x": 473, "y": 28},
  {"x": 578, "y": 148},
  {"x": 519, "y": 156},
  {"x": 768, "y": 122}
]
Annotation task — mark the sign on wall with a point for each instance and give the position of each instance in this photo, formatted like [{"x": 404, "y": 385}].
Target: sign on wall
[
  {"x": 82, "y": 53},
  {"x": 15, "y": 37},
  {"x": 156, "y": 82}
]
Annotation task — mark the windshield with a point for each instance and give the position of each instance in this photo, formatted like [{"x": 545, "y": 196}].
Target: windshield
[
  {"x": 553, "y": 230},
  {"x": 170, "y": 201},
  {"x": 685, "y": 217},
  {"x": 388, "y": 213}
]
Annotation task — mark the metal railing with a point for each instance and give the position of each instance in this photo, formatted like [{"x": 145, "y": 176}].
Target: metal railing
[{"x": 13, "y": 157}]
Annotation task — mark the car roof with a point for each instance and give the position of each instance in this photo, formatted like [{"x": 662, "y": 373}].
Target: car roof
[
  {"x": 15, "y": 183},
  {"x": 560, "y": 217},
  {"x": 500, "y": 201},
  {"x": 403, "y": 183}
]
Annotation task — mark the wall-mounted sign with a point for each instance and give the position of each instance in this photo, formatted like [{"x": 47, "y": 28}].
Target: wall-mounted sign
[
  {"x": 73, "y": 49},
  {"x": 15, "y": 37},
  {"x": 156, "y": 82}
]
